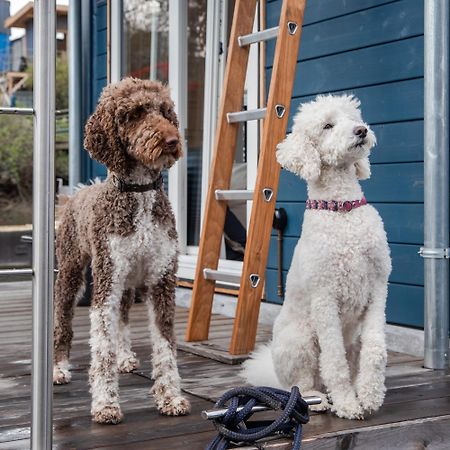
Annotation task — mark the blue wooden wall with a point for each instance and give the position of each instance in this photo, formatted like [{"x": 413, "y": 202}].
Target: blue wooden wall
[
  {"x": 374, "y": 49},
  {"x": 98, "y": 75}
]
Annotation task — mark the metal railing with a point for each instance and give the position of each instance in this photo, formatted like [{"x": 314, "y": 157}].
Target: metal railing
[{"x": 436, "y": 181}]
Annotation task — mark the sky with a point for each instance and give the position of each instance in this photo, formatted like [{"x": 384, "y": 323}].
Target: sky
[{"x": 15, "y": 5}]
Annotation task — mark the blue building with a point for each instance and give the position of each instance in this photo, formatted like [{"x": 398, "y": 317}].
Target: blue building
[
  {"x": 4, "y": 36},
  {"x": 371, "y": 48}
]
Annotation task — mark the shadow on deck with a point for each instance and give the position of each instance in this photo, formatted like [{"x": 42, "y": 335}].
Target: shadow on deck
[{"x": 416, "y": 413}]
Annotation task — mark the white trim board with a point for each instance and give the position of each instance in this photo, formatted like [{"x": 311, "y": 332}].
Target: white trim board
[{"x": 399, "y": 339}]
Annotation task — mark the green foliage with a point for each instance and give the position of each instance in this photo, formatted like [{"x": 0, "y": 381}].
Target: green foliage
[
  {"x": 16, "y": 156},
  {"x": 61, "y": 81},
  {"x": 16, "y": 137}
]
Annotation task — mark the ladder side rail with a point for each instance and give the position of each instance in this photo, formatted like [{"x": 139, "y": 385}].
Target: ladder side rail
[
  {"x": 257, "y": 247},
  {"x": 220, "y": 175}
]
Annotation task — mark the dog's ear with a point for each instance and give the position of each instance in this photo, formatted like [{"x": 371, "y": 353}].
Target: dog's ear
[
  {"x": 299, "y": 155},
  {"x": 363, "y": 168},
  {"x": 102, "y": 139}
]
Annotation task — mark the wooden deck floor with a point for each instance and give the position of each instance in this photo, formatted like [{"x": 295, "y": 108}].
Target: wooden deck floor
[{"x": 416, "y": 414}]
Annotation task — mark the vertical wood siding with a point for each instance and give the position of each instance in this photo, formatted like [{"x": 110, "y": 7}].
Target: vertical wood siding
[
  {"x": 373, "y": 49},
  {"x": 99, "y": 70}
]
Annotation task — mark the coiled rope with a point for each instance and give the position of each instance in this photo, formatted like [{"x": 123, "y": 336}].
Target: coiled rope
[{"x": 234, "y": 426}]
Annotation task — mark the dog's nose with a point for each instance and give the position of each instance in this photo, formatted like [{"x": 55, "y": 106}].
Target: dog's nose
[
  {"x": 171, "y": 141},
  {"x": 360, "y": 132}
]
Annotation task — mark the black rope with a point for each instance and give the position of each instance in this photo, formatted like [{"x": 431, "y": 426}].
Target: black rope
[{"x": 235, "y": 428}]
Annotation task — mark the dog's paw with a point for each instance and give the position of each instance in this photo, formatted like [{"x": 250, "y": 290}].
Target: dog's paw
[
  {"x": 371, "y": 398},
  {"x": 347, "y": 406},
  {"x": 108, "y": 415},
  {"x": 61, "y": 373},
  {"x": 175, "y": 406},
  {"x": 129, "y": 364},
  {"x": 323, "y": 406}
]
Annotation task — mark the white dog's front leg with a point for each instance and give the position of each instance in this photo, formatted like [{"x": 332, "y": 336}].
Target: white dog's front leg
[
  {"x": 334, "y": 368},
  {"x": 370, "y": 386}
]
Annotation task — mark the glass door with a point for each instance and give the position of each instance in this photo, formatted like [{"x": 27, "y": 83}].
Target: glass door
[{"x": 184, "y": 44}]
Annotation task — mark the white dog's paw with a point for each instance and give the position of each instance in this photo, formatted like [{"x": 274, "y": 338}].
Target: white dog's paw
[
  {"x": 371, "y": 395},
  {"x": 347, "y": 406},
  {"x": 323, "y": 406},
  {"x": 175, "y": 406},
  {"x": 61, "y": 373},
  {"x": 128, "y": 364}
]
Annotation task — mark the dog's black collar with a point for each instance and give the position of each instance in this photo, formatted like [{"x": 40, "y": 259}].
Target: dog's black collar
[{"x": 127, "y": 187}]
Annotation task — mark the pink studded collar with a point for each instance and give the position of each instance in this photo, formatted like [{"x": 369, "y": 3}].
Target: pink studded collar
[{"x": 337, "y": 206}]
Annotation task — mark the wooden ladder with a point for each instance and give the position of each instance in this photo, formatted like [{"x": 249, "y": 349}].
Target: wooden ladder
[{"x": 275, "y": 117}]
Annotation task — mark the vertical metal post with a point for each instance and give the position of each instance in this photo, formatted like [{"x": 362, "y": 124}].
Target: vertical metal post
[
  {"x": 43, "y": 222},
  {"x": 436, "y": 162},
  {"x": 75, "y": 97},
  {"x": 155, "y": 10},
  {"x": 116, "y": 40}
]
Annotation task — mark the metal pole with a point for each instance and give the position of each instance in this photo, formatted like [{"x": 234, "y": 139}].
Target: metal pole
[
  {"x": 436, "y": 196},
  {"x": 155, "y": 10},
  {"x": 116, "y": 40},
  {"x": 43, "y": 222},
  {"x": 211, "y": 414},
  {"x": 75, "y": 105}
]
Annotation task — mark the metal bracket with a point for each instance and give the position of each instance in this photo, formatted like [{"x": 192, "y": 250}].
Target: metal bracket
[
  {"x": 254, "y": 280},
  {"x": 434, "y": 253},
  {"x": 280, "y": 110},
  {"x": 268, "y": 194},
  {"x": 292, "y": 27}
]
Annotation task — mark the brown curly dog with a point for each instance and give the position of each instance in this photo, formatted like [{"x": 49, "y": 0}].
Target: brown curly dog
[{"x": 125, "y": 229}]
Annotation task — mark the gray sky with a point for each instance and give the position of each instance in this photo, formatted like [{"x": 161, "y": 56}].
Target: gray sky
[{"x": 15, "y": 5}]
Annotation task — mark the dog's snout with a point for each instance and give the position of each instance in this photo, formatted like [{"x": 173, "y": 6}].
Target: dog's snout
[
  {"x": 360, "y": 132},
  {"x": 171, "y": 141}
]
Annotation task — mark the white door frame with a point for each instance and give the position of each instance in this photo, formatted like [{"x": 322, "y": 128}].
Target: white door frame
[
  {"x": 216, "y": 37},
  {"x": 178, "y": 85}
]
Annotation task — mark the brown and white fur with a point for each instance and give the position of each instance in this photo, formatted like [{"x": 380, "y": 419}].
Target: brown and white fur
[{"x": 130, "y": 240}]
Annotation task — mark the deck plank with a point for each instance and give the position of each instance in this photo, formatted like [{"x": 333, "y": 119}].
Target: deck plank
[{"x": 417, "y": 403}]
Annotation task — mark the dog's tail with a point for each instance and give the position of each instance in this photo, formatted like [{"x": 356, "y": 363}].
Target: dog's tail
[{"x": 259, "y": 369}]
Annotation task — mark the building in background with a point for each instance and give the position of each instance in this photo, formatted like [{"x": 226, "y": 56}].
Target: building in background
[
  {"x": 4, "y": 36},
  {"x": 20, "y": 54}
]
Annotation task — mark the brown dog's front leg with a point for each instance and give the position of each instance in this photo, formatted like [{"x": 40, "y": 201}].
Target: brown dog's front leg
[
  {"x": 161, "y": 310},
  {"x": 103, "y": 373}
]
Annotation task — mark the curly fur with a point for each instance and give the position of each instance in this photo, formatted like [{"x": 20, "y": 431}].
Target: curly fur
[
  {"x": 329, "y": 334},
  {"x": 130, "y": 240}
]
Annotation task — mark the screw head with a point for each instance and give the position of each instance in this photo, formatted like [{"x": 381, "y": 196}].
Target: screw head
[
  {"x": 292, "y": 27},
  {"x": 280, "y": 110}
]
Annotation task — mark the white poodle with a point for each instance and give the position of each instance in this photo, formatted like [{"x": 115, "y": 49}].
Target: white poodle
[{"x": 329, "y": 334}]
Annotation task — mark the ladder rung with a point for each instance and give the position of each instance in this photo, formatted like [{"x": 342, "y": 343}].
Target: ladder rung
[
  {"x": 233, "y": 195},
  {"x": 222, "y": 275},
  {"x": 259, "y": 36},
  {"x": 243, "y": 116}
]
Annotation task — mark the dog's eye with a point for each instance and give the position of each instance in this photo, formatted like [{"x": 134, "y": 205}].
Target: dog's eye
[
  {"x": 169, "y": 114},
  {"x": 136, "y": 113},
  {"x": 328, "y": 126}
]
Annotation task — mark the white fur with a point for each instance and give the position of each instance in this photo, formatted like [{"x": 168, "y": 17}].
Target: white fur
[
  {"x": 143, "y": 259},
  {"x": 167, "y": 387},
  {"x": 330, "y": 331},
  {"x": 103, "y": 372}
]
